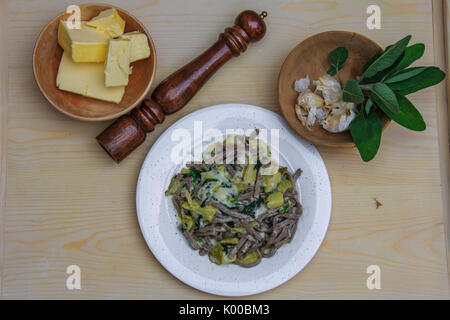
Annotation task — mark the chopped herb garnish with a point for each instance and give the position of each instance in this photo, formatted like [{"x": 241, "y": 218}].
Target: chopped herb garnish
[
  {"x": 198, "y": 220},
  {"x": 250, "y": 208},
  {"x": 194, "y": 173},
  {"x": 226, "y": 247},
  {"x": 258, "y": 165},
  {"x": 236, "y": 198},
  {"x": 207, "y": 180}
]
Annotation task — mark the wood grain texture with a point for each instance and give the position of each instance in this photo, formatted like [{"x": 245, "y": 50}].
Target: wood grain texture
[
  {"x": 68, "y": 203},
  {"x": 446, "y": 19},
  {"x": 441, "y": 55},
  {"x": 3, "y": 128}
]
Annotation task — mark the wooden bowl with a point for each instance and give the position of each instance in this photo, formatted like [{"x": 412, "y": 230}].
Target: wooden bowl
[
  {"x": 311, "y": 57},
  {"x": 47, "y": 55}
]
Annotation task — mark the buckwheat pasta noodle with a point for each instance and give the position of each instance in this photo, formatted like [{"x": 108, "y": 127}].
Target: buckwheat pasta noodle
[{"x": 232, "y": 212}]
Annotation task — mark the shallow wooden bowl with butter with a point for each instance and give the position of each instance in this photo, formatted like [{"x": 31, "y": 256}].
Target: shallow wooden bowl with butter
[
  {"x": 311, "y": 57},
  {"x": 46, "y": 58}
]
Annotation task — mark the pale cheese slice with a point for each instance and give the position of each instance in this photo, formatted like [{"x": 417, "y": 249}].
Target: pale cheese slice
[{"x": 87, "y": 79}]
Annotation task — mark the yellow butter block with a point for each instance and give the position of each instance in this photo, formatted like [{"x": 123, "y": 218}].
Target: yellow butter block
[
  {"x": 139, "y": 48},
  {"x": 108, "y": 21},
  {"x": 117, "y": 66},
  {"x": 87, "y": 79},
  {"x": 86, "y": 44}
]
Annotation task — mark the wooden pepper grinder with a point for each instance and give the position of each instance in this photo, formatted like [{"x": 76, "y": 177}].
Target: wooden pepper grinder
[{"x": 129, "y": 131}]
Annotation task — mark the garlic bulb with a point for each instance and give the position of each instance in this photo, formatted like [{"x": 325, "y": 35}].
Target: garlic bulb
[{"x": 325, "y": 104}]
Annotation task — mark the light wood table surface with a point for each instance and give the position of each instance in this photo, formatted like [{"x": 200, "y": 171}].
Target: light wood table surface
[{"x": 65, "y": 202}]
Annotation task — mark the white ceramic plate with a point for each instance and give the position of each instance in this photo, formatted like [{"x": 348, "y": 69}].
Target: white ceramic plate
[{"x": 157, "y": 217}]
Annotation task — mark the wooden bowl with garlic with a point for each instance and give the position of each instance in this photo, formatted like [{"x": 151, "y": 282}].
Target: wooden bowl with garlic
[
  {"x": 310, "y": 99},
  {"x": 97, "y": 70}
]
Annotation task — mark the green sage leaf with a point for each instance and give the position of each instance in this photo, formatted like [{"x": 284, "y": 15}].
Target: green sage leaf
[
  {"x": 368, "y": 106},
  {"x": 388, "y": 58},
  {"x": 370, "y": 61},
  {"x": 366, "y": 133},
  {"x": 352, "y": 92},
  {"x": 384, "y": 97},
  {"x": 429, "y": 77},
  {"x": 337, "y": 59},
  {"x": 382, "y": 74},
  {"x": 332, "y": 71},
  {"x": 405, "y": 74},
  {"x": 408, "y": 116},
  {"x": 412, "y": 53}
]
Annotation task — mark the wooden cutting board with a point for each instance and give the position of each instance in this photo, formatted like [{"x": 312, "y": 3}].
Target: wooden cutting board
[{"x": 65, "y": 202}]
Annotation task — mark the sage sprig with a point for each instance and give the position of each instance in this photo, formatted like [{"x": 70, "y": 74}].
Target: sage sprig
[{"x": 386, "y": 80}]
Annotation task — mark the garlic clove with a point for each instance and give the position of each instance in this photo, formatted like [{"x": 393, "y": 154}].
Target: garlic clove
[
  {"x": 341, "y": 115},
  {"x": 329, "y": 88},
  {"x": 312, "y": 116},
  {"x": 308, "y": 99},
  {"x": 302, "y": 84},
  {"x": 301, "y": 115},
  {"x": 322, "y": 113}
]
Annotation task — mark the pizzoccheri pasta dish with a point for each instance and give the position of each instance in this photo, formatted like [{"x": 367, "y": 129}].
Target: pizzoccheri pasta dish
[{"x": 237, "y": 211}]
